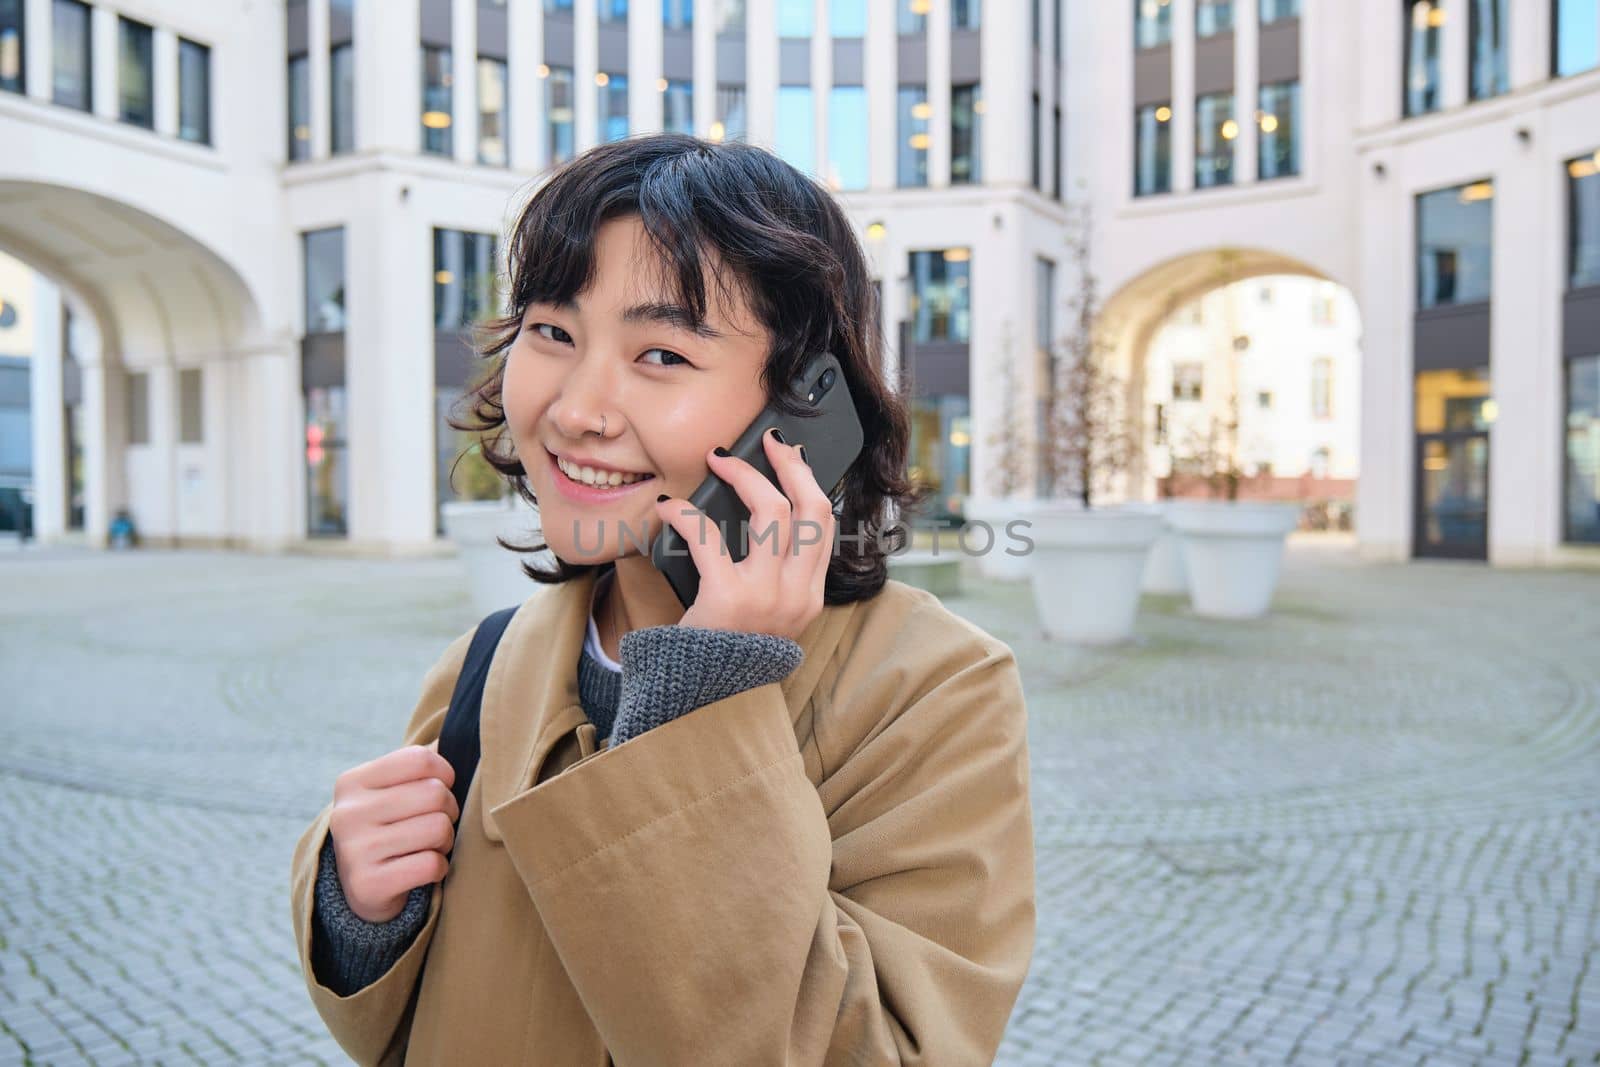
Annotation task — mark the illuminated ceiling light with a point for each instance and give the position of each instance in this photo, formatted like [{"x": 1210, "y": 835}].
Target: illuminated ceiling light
[
  {"x": 1436, "y": 17},
  {"x": 661, "y": 85},
  {"x": 1149, "y": 9},
  {"x": 921, "y": 7},
  {"x": 960, "y": 438},
  {"x": 957, "y": 255},
  {"x": 1230, "y": 130},
  {"x": 601, "y": 78},
  {"x": 717, "y": 131},
  {"x": 1477, "y": 191},
  {"x": 876, "y": 230},
  {"x": 978, "y": 109},
  {"x": 1269, "y": 123},
  {"x": 436, "y": 120},
  {"x": 302, "y": 133},
  {"x": 1490, "y": 410},
  {"x": 919, "y": 141},
  {"x": 1163, "y": 114},
  {"x": 544, "y": 70},
  {"x": 443, "y": 277},
  {"x": 921, "y": 110},
  {"x": 1420, "y": 15},
  {"x": 1583, "y": 168}
]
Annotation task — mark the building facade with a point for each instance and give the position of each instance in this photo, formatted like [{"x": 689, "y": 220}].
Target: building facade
[
  {"x": 1438, "y": 159},
  {"x": 276, "y": 222},
  {"x": 267, "y": 227}
]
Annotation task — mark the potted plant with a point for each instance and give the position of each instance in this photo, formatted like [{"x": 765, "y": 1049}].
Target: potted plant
[
  {"x": 1009, "y": 444},
  {"x": 1088, "y": 559},
  {"x": 1232, "y": 549}
]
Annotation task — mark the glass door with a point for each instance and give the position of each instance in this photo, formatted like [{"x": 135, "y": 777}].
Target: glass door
[{"x": 1454, "y": 414}]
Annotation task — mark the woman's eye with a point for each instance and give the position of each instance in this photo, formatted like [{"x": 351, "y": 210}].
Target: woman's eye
[
  {"x": 668, "y": 352},
  {"x": 565, "y": 338}
]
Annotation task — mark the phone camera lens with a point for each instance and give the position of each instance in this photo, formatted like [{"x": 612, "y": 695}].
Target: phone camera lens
[{"x": 827, "y": 379}]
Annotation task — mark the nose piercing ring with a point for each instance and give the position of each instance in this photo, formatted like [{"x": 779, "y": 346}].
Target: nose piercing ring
[{"x": 602, "y": 425}]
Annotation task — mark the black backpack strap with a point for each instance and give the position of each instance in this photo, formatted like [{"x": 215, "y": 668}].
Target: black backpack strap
[{"x": 458, "y": 740}]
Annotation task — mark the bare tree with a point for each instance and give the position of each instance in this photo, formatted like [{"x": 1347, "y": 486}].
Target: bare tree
[
  {"x": 1010, "y": 442},
  {"x": 1089, "y": 439}
]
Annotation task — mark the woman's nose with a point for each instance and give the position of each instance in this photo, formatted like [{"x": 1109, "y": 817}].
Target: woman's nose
[{"x": 586, "y": 395}]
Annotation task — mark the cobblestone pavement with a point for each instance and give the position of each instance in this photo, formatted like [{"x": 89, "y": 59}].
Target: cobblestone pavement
[{"x": 1365, "y": 830}]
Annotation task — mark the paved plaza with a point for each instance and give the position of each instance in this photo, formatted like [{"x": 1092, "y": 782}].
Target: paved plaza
[{"x": 1364, "y": 830}]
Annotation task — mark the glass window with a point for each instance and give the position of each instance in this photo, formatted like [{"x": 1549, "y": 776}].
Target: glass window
[
  {"x": 135, "y": 73},
  {"x": 612, "y": 10},
  {"x": 677, "y": 107},
  {"x": 138, "y": 408},
  {"x": 1215, "y": 131},
  {"x": 794, "y": 18},
  {"x": 939, "y": 452},
  {"x": 1322, "y": 388},
  {"x": 847, "y": 18},
  {"x": 1583, "y": 177},
  {"x": 730, "y": 123},
  {"x": 71, "y": 55},
  {"x": 1061, "y": 31},
  {"x": 299, "y": 107},
  {"x": 940, "y": 295},
  {"x": 1424, "y": 28},
  {"x": 1280, "y": 130},
  {"x": 1453, "y": 401},
  {"x": 323, "y": 252},
  {"x": 327, "y": 466},
  {"x": 191, "y": 406},
  {"x": 847, "y": 137},
  {"x": 730, "y": 16},
  {"x": 1038, "y": 149},
  {"x": 966, "y": 134},
  {"x": 1454, "y": 229},
  {"x": 492, "y": 147},
  {"x": 677, "y": 14},
  {"x": 1278, "y": 10},
  {"x": 911, "y": 16},
  {"x": 1152, "y": 150},
  {"x": 342, "y": 99},
  {"x": 1212, "y": 17},
  {"x": 1055, "y": 157},
  {"x": 966, "y": 14},
  {"x": 913, "y": 140},
  {"x": 1577, "y": 36},
  {"x": 1152, "y": 23},
  {"x": 463, "y": 278},
  {"x": 558, "y": 114},
  {"x": 1489, "y": 22},
  {"x": 436, "y": 95},
  {"x": 558, "y": 7},
  {"x": 11, "y": 40},
  {"x": 1188, "y": 381},
  {"x": 1582, "y": 497},
  {"x": 613, "y": 106},
  {"x": 194, "y": 92},
  {"x": 794, "y": 140}
]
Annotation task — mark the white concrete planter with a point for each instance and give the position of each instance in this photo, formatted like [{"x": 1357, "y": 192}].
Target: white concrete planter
[
  {"x": 1233, "y": 552},
  {"x": 1087, "y": 566},
  {"x": 494, "y": 574},
  {"x": 1164, "y": 572},
  {"x": 997, "y": 564}
]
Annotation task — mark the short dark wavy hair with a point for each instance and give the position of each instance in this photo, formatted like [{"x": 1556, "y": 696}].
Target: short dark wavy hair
[{"x": 785, "y": 246}]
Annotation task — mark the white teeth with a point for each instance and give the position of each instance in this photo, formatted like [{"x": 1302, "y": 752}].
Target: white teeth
[{"x": 590, "y": 476}]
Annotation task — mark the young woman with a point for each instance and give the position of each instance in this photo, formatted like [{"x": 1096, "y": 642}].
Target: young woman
[{"x": 788, "y": 825}]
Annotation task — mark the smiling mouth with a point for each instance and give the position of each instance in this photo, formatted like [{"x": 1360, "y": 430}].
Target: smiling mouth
[{"x": 596, "y": 479}]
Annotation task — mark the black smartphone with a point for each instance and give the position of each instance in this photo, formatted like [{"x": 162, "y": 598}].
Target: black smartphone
[{"x": 831, "y": 432}]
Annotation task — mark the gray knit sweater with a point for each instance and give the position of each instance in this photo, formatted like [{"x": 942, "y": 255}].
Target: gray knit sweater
[{"x": 667, "y": 671}]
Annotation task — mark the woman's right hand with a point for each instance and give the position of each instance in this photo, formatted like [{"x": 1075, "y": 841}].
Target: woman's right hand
[{"x": 393, "y": 824}]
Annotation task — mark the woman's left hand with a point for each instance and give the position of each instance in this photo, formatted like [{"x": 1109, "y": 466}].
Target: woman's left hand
[{"x": 777, "y": 588}]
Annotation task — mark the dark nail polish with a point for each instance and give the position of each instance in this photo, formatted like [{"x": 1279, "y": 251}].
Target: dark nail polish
[
  {"x": 777, "y": 435},
  {"x": 719, "y": 450},
  {"x": 802, "y": 449},
  {"x": 662, "y": 497}
]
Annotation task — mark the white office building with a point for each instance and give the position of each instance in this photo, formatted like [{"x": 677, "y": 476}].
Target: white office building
[{"x": 264, "y": 226}]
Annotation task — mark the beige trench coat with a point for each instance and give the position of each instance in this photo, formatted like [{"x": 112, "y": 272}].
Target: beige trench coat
[{"x": 834, "y": 869}]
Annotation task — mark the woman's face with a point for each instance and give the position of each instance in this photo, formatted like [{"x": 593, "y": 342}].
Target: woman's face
[{"x": 668, "y": 394}]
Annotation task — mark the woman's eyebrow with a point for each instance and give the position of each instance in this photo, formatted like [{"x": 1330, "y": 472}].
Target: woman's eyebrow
[{"x": 658, "y": 311}]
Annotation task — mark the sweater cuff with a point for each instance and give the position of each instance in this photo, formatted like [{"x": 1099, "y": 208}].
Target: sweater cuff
[
  {"x": 347, "y": 952},
  {"x": 668, "y": 671}
]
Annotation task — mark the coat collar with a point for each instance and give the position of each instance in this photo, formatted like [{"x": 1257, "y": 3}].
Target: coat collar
[{"x": 530, "y": 697}]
